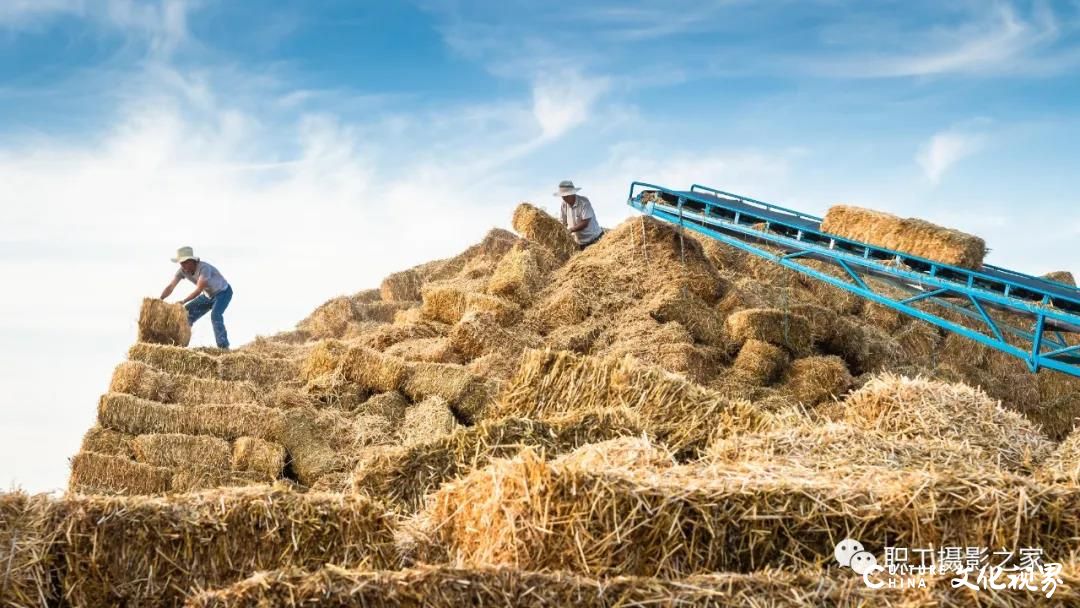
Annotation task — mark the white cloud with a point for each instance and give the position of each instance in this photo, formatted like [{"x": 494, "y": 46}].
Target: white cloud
[
  {"x": 564, "y": 101},
  {"x": 22, "y": 12},
  {"x": 944, "y": 150}
]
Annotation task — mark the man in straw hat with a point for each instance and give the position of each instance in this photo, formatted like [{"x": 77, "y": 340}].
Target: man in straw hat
[
  {"x": 212, "y": 292},
  {"x": 578, "y": 215}
]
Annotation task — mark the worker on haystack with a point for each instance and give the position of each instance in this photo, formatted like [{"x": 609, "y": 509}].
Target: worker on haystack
[
  {"x": 212, "y": 292},
  {"x": 578, "y": 215}
]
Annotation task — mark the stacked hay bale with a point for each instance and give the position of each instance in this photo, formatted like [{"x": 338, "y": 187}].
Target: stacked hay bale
[{"x": 163, "y": 323}]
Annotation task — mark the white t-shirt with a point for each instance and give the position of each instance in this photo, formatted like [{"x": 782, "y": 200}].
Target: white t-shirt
[
  {"x": 573, "y": 214},
  {"x": 215, "y": 283}
]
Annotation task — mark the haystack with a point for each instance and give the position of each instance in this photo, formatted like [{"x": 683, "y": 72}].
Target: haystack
[
  {"x": 27, "y": 557},
  {"x": 254, "y": 455},
  {"x": 539, "y": 227},
  {"x": 102, "y": 474},
  {"x": 813, "y": 380},
  {"x": 774, "y": 326},
  {"x": 176, "y": 360},
  {"x": 521, "y": 274},
  {"x": 760, "y": 362},
  {"x": 175, "y": 450},
  {"x": 382, "y": 337},
  {"x": 197, "y": 479},
  {"x": 152, "y": 551},
  {"x": 434, "y": 350},
  {"x": 467, "y": 394},
  {"x": 1061, "y": 276},
  {"x": 680, "y": 413},
  {"x": 442, "y": 586},
  {"x": 478, "y": 334},
  {"x": 907, "y": 235},
  {"x": 136, "y": 416},
  {"x": 403, "y": 476},
  {"x": 163, "y": 323},
  {"x": 107, "y": 441},
  {"x": 530, "y": 514},
  {"x": 918, "y": 408},
  {"x": 427, "y": 421},
  {"x": 690, "y": 311},
  {"x": 444, "y": 301}
]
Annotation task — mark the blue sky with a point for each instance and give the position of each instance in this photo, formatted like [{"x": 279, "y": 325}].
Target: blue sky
[{"x": 310, "y": 148}]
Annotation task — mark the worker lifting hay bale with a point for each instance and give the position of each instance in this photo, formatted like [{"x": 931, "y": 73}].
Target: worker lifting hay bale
[
  {"x": 906, "y": 235},
  {"x": 163, "y": 323},
  {"x": 534, "y": 224}
]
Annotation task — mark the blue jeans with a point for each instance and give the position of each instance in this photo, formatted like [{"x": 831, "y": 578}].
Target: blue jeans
[{"x": 216, "y": 307}]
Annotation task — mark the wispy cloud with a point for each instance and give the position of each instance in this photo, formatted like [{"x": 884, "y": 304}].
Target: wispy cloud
[
  {"x": 946, "y": 148},
  {"x": 563, "y": 101}
]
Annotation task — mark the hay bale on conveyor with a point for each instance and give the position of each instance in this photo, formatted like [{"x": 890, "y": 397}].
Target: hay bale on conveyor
[
  {"x": 534, "y": 515},
  {"x": 176, "y": 450},
  {"x": 534, "y": 224},
  {"x": 1061, "y": 276},
  {"x": 907, "y": 235},
  {"x": 160, "y": 548},
  {"x": 103, "y": 474},
  {"x": 163, "y": 323}
]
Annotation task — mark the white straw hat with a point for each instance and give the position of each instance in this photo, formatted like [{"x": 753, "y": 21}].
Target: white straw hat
[
  {"x": 184, "y": 254},
  {"x": 566, "y": 188}
]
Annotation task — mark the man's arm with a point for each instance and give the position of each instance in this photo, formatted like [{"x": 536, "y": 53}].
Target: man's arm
[
  {"x": 200, "y": 285},
  {"x": 580, "y": 225},
  {"x": 170, "y": 287}
]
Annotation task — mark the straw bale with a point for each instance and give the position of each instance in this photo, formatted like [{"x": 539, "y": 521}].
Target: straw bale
[
  {"x": 774, "y": 326},
  {"x": 467, "y": 394},
  {"x": 409, "y": 315},
  {"x": 333, "y": 482},
  {"x": 128, "y": 551},
  {"x": 141, "y": 380},
  {"x": 163, "y": 323},
  {"x": 104, "y": 474},
  {"x": 175, "y": 360},
  {"x": 402, "y": 286},
  {"x": 680, "y": 413},
  {"x": 838, "y": 447},
  {"x": 865, "y": 348},
  {"x": 136, "y": 416},
  {"x": 760, "y": 362},
  {"x": 404, "y": 475},
  {"x": 390, "y": 405},
  {"x": 691, "y": 312},
  {"x": 107, "y": 441},
  {"x": 324, "y": 441},
  {"x": 1061, "y": 276},
  {"x": 1063, "y": 465},
  {"x": 444, "y": 301},
  {"x": 322, "y": 360},
  {"x": 813, "y": 380},
  {"x": 618, "y": 453},
  {"x": 259, "y": 370},
  {"x": 195, "y": 479},
  {"x": 176, "y": 450},
  {"x": 380, "y": 312},
  {"x": 427, "y": 421},
  {"x": 479, "y": 334},
  {"x": 723, "y": 256},
  {"x": 258, "y": 456},
  {"x": 519, "y": 275},
  {"x": 534, "y": 224},
  {"x": 530, "y": 514},
  {"x": 908, "y": 235},
  {"x": 822, "y": 321},
  {"x": 1059, "y": 396},
  {"x": 506, "y": 313},
  {"x": 840, "y": 300},
  {"x": 436, "y": 350},
  {"x": 919, "y": 408},
  {"x": 27, "y": 558},
  {"x": 382, "y": 337},
  {"x": 563, "y": 307},
  {"x": 373, "y": 370},
  {"x": 330, "y": 319},
  {"x": 918, "y": 343}
]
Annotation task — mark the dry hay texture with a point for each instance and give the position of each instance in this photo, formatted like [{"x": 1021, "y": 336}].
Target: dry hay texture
[
  {"x": 536, "y": 225},
  {"x": 163, "y": 323},
  {"x": 907, "y": 235},
  {"x": 677, "y": 521}
]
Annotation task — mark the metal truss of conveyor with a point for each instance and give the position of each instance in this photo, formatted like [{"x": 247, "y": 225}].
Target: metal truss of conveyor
[{"x": 1038, "y": 313}]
